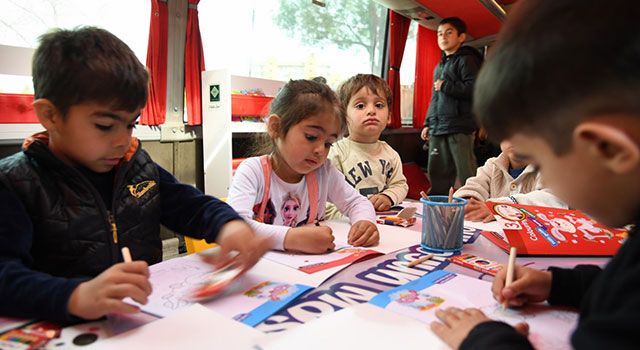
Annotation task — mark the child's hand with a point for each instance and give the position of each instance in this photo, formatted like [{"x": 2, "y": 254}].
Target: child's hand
[
  {"x": 456, "y": 324},
  {"x": 238, "y": 236},
  {"x": 363, "y": 233},
  {"x": 104, "y": 293},
  {"x": 380, "y": 202},
  {"x": 528, "y": 286},
  {"x": 424, "y": 134},
  {"x": 437, "y": 85},
  {"x": 309, "y": 239},
  {"x": 477, "y": 210}
]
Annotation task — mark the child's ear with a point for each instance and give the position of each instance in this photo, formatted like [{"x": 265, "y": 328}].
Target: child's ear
[
  {"x": 614, "y": 148},
  {"x": 273, "y": 125},
  {"x": 463, "y": 37},
  {"x": 47, "y": 113}
]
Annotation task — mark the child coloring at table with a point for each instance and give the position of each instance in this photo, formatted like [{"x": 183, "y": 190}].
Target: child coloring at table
[
  {"x": 305, "y": 119},
  {"x": 83, "y": 189},
  {"x": 505, "y": 179},
  {"x": 569, "y": 103}
]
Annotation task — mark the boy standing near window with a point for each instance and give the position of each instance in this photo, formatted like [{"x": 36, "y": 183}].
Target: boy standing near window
[{"x": 449, "y": 125}]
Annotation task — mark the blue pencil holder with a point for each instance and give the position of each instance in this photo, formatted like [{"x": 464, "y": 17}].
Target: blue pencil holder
[{"x": 442, "y": 223}]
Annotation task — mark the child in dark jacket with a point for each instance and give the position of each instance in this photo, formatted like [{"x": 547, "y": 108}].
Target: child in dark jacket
[
  {"x": 449, "y": 125},
  {"x": 84, "y": 189},
  {"x": 568, "y": 102}
]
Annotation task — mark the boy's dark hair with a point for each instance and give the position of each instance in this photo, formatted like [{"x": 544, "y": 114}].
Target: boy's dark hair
[
  {"x": 299, "y": 100},
  {"x": 557, "y": 63},
  {"x": 375, "y": 84},
  {"x": 88, "y": 64},
  {"x": 456, "y": 22}
]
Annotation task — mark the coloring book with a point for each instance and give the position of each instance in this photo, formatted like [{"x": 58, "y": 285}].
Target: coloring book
[
  {"x": 252, "y": 298},
  {"x": 342, "y": 255},
  {"x": 550, "y": 327},
  {"x": 552, "y": 231}
]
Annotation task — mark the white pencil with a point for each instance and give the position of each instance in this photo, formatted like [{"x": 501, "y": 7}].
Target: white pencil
[
  {"x": 126, "y": 255},
  {"x": 510, "y": 267}
]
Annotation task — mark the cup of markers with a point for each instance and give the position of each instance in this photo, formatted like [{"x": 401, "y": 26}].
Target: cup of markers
[{"x": 442, "y": 223}]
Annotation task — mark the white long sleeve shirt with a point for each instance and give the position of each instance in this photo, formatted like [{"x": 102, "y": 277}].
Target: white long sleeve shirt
[{"x": 288, "y": 204}]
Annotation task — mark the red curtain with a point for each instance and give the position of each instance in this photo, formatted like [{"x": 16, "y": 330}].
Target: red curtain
[
  {"x": 155, "y": 111},
  {"x": 398, "y": 32},
  {"x": 193, "y": 65},
  {"x": 427, "y": 58}
]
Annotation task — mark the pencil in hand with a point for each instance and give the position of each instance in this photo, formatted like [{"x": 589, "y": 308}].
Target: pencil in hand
[
  {"x": 126, "y": 255},
  {"x": 509, "y": 277}
]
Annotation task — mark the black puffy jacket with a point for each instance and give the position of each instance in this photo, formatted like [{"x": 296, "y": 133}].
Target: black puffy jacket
[
  {"x": 450, "y": 108},
  {"x": 73, "y": 230}
]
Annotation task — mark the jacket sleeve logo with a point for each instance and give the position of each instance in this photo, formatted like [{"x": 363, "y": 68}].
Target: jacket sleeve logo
[{"x": 138, "y": 190}]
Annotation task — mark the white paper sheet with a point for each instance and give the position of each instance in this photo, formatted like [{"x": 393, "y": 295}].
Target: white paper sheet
[
  {"x": 193, "y": 328},
  {"x": 362, "y": 326}
]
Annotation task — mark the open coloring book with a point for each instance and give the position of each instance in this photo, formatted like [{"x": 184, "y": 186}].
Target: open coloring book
[
  {"x": 550, "y": 327},
  {"x": 250, "y": 299}
]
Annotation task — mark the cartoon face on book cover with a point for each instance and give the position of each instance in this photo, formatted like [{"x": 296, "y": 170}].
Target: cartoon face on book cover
[{"x": 551, "y": 231}]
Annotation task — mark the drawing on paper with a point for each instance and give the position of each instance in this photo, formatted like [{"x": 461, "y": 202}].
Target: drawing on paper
[
  {"x": 270, "y": 290},
  {"x": 414, "y": 299}
]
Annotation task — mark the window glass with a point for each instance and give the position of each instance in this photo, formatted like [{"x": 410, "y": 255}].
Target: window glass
[
  {"x": 408, "y": 76},
  {"x": 293, "y": 39},
  {"x": 23, "y": 21}
]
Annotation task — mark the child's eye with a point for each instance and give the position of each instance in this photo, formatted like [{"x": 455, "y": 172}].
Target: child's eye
[
  {"x": 310, "y": 137},
  {"x": 380, "y": 105},
  {"x": 328, "y": 145},
  {"x": 103, "y": 127},
  {"x": 359, "y": 106},
  {"x": 131, "y": 126}
]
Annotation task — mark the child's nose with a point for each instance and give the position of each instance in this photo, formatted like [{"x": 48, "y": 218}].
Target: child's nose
[
  {"x": 122, "y": 139},
  {"x": 319, "y": 148},
  {"x": 371, "y": 110}
]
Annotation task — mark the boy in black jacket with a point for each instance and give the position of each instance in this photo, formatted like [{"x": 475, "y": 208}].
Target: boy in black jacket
[
  {"x": 449, "y": 125},
  {"x": 83, "y": 189},
  {"x": 563, "y": 85}
]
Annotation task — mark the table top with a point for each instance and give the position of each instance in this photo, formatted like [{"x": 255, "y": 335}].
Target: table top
[{"x": 354, "y": 284}]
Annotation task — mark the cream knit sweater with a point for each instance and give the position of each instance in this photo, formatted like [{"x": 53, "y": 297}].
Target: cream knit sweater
[{"x": 493, "y": 182}]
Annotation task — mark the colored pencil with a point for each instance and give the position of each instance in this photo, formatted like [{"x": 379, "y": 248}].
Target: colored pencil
[
  {"x": 420, "y": 260},
  {"x": 510, "y": 267},
  {"x": 126, "y": 255}
]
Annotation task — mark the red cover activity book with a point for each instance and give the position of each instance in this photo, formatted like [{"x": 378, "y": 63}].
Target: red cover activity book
[{"x": 551, "y": 231}]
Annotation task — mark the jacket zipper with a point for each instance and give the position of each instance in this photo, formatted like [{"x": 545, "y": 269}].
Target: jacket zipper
[
  {"x": 109, "y": 214},
  {"x": 114, "y": 228}
]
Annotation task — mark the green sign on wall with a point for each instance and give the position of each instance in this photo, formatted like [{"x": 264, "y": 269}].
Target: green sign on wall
[{"x": 214, "y": 93}]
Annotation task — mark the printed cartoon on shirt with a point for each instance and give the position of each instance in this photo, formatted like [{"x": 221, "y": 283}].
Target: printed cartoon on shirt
[
  {"x": 290, "y": 210},
  {"x": 289, "y": 213}
]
